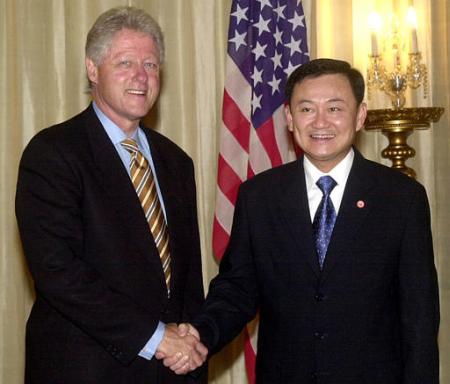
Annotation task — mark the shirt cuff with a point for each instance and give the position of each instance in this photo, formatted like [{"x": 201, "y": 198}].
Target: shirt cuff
[{"x": 150, "y": 348}]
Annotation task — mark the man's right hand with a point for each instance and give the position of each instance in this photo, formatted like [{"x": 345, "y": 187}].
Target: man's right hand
[{"x": 181, "y": 349}]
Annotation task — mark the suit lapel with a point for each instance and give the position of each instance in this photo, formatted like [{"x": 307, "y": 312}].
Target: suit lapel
[
  {"x": 174, "y": 197},
  {"x": 294, "y": 208},
  {"x": 117, "y": 187},
  {"x": 355, "y": 207},
  {"x": 167, "y": 180}
]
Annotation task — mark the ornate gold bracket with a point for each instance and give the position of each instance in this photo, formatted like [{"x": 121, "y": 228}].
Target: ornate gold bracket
[{"x": 397, "y": 125}]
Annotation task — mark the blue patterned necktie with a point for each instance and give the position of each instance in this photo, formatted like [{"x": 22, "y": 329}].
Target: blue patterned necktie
[{"x": 325, "y": 218}]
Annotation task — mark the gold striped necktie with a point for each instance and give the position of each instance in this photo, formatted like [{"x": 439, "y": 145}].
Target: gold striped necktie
[{"x": 144, "y": 183}]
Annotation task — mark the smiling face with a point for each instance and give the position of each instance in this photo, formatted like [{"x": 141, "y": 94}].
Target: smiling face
[
  {"x": 125, "y": 84},
  {"x": 324, "y": 118}
]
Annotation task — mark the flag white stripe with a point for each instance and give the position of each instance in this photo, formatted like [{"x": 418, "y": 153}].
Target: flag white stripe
[{"x": 226, "y": 209}]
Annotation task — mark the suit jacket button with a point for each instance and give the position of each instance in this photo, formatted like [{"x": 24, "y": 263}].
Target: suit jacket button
[
  {"x": 320, "y": 297},
  {"x": 320, "y": 336}
]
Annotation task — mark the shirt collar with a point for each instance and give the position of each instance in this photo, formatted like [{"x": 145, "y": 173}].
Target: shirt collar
[
  {"x": 339, "y": 173},
  {"x": 115, "y": 134}
]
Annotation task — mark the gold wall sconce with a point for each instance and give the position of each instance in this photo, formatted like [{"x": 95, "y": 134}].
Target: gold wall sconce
[{"x": 399, "y": 122}]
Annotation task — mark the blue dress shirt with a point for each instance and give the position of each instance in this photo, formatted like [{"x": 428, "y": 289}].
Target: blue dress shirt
[{"x": 116, "y": 135}]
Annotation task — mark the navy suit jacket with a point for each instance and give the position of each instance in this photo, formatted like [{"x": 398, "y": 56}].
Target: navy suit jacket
[
  {"x": 370, "y": 316},
  {"x": 100, "y": 289}
]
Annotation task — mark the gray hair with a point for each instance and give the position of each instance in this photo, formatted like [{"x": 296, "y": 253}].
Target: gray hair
[{"x": 100, "y": 37}]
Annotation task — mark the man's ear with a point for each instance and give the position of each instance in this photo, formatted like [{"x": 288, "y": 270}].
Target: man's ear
[
  {"x": 91, "y": 70},
  {"x": 361, "y": 116},
  {"x": 287, "y": 112}
]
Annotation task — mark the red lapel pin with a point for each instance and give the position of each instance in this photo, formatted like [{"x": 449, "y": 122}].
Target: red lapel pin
[{"x": 360, "y": 204}]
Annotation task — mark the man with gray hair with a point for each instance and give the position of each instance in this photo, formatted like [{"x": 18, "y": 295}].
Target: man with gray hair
[{"x": 108, "y": 220}]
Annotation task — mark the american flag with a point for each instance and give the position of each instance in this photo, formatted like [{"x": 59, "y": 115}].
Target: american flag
[{"x": 266, "y": 42}]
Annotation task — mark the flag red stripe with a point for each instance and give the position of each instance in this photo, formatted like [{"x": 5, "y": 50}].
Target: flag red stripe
[
  {"x": 235, "y": 121},
  {"x": 228, "y": 180},
  {"x": 250, "y": 172},
  {"x": 250, "y": 358},
  {"x": 267, "y": 136}
]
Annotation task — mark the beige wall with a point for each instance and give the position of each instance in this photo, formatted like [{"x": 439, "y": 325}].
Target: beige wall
[{"x": 42, "y": 82}]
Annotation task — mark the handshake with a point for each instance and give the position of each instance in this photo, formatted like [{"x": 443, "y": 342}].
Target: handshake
[{"x": 181, "y": 349}]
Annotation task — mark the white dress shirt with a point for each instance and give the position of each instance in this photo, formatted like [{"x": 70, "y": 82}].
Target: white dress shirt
[{"x": 339, "y": 173}]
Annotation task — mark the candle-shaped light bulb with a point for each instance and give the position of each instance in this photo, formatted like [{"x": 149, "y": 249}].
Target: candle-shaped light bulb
[
  {"x": 374, "y": 27},
  {"x": 412, "y": 21}
]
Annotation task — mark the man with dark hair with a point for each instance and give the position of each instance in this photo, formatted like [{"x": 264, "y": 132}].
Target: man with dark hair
[
  {"x": 108, "y": 219},
  {"x": 321, "y": 67},
  {"x": 334, "y": 250}
]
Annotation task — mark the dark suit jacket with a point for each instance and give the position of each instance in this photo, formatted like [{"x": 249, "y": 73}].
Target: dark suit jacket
[
  {"x": 100, "y": 288},
  {"x": 371, "y": 315}
]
